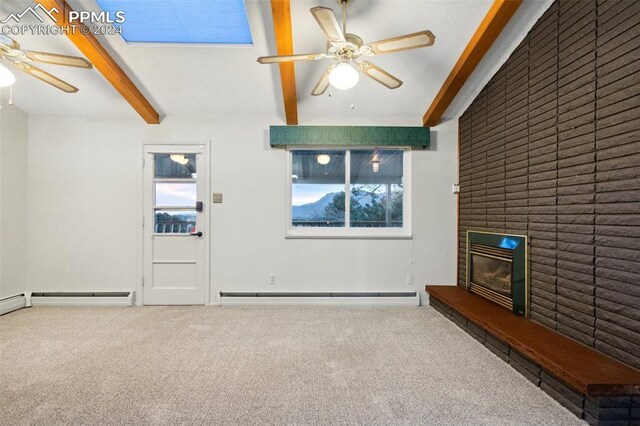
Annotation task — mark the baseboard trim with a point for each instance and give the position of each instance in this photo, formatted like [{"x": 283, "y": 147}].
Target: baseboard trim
[
  {"x": 320, "y": 299},
  {"x": 12, "y": 303},
  {"x": 126, "y": 298}
]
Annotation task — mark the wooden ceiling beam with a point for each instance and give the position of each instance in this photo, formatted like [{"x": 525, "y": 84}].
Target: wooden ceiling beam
[
  {"x": 281, "y": 10},
  {"x": 89, "y": 45},
  {"x": 490, "y": 28}
]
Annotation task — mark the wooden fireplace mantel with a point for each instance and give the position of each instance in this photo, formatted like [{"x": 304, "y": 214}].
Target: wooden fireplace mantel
[{"x": 579, "y": 366}]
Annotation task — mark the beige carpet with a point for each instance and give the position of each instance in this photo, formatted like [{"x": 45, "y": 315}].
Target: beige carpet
[{"x": 237, "y": 366}]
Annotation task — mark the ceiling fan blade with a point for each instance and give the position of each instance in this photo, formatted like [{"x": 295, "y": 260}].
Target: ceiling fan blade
[
  {"x": 405, "y": 42},
  {"x": 290, "y": 58},
  {"x": 322, "y": 84},
  {"x": 55, "y": 59},
  {"x": 45, "y": 76},
  {"x": 8, "y": 43},
  {"x": 328, "y": 22},
  {"x": 378, "y": 74}
]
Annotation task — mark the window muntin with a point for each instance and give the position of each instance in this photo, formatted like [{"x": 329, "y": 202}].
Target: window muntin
[{"x": 375, "y": 180}]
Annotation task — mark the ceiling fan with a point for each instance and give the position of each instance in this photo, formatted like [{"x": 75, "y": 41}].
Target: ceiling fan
[
  {"x": 23, "y": 59},
  {"x": 346, "y": 49}
]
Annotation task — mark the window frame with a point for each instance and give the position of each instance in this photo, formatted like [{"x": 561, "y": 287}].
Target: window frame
[{"x": 347, "y": 232}]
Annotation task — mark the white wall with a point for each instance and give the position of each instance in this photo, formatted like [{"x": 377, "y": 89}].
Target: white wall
[
  {"x": 13, "y": 200},
  {"x": 84, "y": 211}
]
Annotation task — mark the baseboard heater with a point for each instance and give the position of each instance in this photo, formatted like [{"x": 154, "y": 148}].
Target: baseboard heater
[
  {"x": 13, "y": 303},
  {"x": 107, "y": 298},
  {"x": 410, "y": 298}
]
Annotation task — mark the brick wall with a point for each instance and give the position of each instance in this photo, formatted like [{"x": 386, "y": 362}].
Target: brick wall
[{"x": 551, "y": 149}]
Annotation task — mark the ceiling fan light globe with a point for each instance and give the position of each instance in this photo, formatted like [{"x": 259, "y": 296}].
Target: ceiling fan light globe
[
  {"x": 179, "y": 158},
  {"x": 343, "y": 76},
  {"x": 6, "y": 77},
  {"x": 323, "y": 159}
]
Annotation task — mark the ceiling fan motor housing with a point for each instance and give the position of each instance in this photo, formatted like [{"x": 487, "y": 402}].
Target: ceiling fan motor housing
[{"x": 351, "y": 48}]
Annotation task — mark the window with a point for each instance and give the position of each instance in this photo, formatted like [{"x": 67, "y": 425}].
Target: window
[
  {"x": 175, "y": 193},
  {"x": 180, "y": 21},
  {"x": 377, "y": 184}
]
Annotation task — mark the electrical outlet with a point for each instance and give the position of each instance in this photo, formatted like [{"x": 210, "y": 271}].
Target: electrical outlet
[
  {"x": 216, "y": 197},
  {"x": 272, "y": 279},
  {"x": 409, "y": 279},
  {"x": 455, "y": 188}
]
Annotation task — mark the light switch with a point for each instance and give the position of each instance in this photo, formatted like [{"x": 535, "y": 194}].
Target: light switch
[{"x": 216, "y": 197}]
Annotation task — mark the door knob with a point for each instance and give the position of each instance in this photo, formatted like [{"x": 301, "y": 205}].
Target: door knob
[{"x": 197, "y": 234}]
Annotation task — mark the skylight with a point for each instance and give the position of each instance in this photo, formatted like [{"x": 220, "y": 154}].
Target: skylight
[{"x": 182, "y": 21}]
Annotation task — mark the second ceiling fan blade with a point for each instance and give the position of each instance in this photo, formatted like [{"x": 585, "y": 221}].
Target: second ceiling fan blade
[
  {"x": 290, "y": 58},
  {"x": 55, "y": 59},
  {"x": 405, "y": 42},
  {"x": 322, "y": 84},
  {"x": 328, "y": 22},
  {"x": 45, "y": 76},
  {"x": 379, "y": 75}
]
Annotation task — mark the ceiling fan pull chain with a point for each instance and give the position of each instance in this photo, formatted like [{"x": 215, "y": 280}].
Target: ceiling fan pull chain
[{"x": 353, "y": 102}]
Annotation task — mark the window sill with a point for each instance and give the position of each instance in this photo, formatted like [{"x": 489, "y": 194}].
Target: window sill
[{"x": 347, "y": 237}]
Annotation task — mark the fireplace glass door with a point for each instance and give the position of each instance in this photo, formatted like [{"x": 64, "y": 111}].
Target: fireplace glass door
[
  {"x": 492, "y": 273},
  {"x": 497, "y": 269}
]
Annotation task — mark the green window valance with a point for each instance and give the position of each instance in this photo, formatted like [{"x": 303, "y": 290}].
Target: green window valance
[{"x": 348, "y": 136}]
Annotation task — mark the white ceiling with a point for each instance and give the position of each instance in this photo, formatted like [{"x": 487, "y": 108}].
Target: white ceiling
[
  {"x": 227, "y": 81},
  {"x": 422, "y": 70}
]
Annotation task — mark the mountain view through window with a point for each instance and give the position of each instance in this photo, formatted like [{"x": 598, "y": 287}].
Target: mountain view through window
[{"x": 319, "y": 181}]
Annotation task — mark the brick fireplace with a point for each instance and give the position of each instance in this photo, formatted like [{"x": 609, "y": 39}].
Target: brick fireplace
[{"x": 549, "y": 149}]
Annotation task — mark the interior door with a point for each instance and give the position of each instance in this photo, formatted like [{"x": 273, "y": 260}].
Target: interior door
[{"x": 175, "y": 225}]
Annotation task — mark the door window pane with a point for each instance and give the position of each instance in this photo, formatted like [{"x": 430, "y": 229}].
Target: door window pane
[
  {"x": 318, "y": 183},
  {"x": 376, "y": 188},
  {"x": 175, "y": 194},
  {"x": 174, "y": 222},
  {"x": 172, "y": 166}
]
